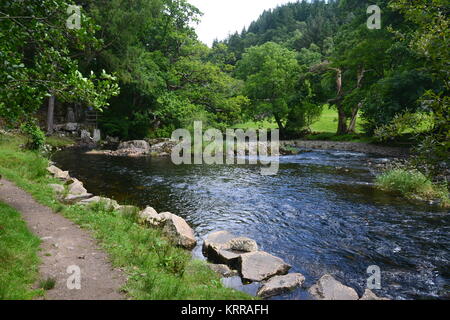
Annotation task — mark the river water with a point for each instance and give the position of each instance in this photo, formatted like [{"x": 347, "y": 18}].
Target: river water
[{"x": 320, "y": 213}]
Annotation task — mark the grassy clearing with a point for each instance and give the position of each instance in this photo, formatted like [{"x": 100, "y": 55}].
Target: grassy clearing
[
  {"x": 18, "y": 257},
  {"x": 156, "y": 269},
  {"x": 59, "y": 142},
  {"x": 413, "y": 184}
]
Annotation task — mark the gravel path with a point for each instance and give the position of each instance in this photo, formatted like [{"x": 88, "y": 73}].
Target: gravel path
[{"x": 65, "y": 244}]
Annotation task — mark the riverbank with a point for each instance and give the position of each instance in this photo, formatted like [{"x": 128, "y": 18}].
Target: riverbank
[{"x": 154, "y": 267}]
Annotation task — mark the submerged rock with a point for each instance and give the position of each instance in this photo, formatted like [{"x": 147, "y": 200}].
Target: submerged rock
[
  {"x": 328, "y": 288},
  {"x": 280, "y": 284},
  {"x": 369, "y": 295},
  {"x": 260, "y": 265}
]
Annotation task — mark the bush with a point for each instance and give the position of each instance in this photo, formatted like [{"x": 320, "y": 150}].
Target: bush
[
  {"x": 412, "y": 184},
  {"x": 36, "y": 138}
]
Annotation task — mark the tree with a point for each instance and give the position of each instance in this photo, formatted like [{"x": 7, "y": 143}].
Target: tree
[
  {"x": 36, "y": 50},
  {"x": 271, "y": 73}
]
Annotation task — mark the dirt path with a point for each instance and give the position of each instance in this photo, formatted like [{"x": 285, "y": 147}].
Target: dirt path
[{"x": 64, "y": 244}]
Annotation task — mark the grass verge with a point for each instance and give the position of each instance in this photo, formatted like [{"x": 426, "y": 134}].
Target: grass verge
[
  {"x": 413, "y": 184},
  {"x": 18, "y": 257},
  {"x": 155, "y": 268}
]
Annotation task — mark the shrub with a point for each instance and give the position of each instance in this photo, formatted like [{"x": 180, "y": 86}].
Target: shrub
[
  {"x": 36, "y": 138},
  {"x": 412, "y": 184}
]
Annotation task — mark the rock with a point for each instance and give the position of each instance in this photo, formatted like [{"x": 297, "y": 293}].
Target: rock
[
  {"x": 241, "y": 244},
  {"x": 150, "y": 217},
  {"x": 280, "y": 284},
  {"x": 86, "y": 137},
  {"x": 223, "y": 270},
  {"x": 140, "y": 145},
  {"x": 97, "y": 135},
  {"x": 260, "y": 265},
  {"x": 328, "y": 288},
  {"x": 72, "y": 198},
  {"x": 77, "y": 188},
  {"x": 71, "y": 126},
  {"x": 224, "y": 247},
  {"x": 369, "y": 295},
  {"x": 58, "y": 173},
  {"x": 177, "y": 229},
  {"x": 57, "y": 188},
  {"x": 109, "y": 203}
]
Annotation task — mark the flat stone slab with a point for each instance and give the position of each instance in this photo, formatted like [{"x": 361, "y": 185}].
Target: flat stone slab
[
  {"x": 260, "y": 265},
  {"x": 224, "y": 247},
  {"x": 280, "y": 284},
  {"x": 73, "y": 198},
  {"x": 328, "y": 288},
  {"x": 109, "y": 203}
]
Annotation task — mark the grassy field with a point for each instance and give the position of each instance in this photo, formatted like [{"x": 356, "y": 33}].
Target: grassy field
[
  {"x": 156, "y": 269},
  {"x": 18, "y": 257}
]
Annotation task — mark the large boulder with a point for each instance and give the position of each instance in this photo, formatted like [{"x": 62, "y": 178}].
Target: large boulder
[
  {"x": 58, "y": 173},
  {"x": 177, "y": 229},
  {"x": 76, "y": 188},
  {"x": 260, "y": 265},
  {"x": 242, "y": 244},
  {"x": 328, "y": 288},
  {"x": 280, "y": 284},
  {"x": 369, "y": 295}
]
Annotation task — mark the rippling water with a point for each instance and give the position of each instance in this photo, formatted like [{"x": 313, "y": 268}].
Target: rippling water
[{"x": 320, "y": 213}]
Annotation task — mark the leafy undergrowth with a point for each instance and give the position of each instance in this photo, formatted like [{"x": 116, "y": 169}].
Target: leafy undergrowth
[
  {"x": 156, "y": 268},
  {"x": 413, "y": 184},
  {"x": 18, "y": 257}
]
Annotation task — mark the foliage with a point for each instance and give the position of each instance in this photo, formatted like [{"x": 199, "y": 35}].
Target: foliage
[
  {"x": 36, "y": 54},
  {"x": 413, "y": 122},
  {"x": 35, "y": 135}
]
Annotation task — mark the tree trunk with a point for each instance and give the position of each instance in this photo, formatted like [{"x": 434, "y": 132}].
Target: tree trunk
[
  {"x": 280, "y": 126},
  {"x": 352, "y": 125},
  {"x": 50, "y": 114},
  {"x": 342, "y": 120}
]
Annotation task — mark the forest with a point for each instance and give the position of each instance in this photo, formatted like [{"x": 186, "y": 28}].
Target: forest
[{"x": 140, "y": 63}]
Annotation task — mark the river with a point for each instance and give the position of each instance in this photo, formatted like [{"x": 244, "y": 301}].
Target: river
[{"x": 320, "y": 213}]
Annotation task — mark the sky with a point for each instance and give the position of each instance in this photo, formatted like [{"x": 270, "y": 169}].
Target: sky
[{"x": 223, "y": 17}]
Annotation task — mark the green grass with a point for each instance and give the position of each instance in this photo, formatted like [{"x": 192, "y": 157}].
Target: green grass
[
  {"x": 412, "y": 184},
  {"x": 18, "y": 257},
  {"x": 59, "y": 142},
  {"x": 156, "y": 268}
]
